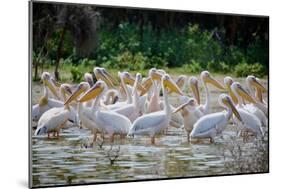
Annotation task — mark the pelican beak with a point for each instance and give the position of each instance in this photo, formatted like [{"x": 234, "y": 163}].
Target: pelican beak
[
  {"x": 195, "y": 90},
  {"x": 147, "y": 83},
  {"x": 245, "y": 95},
  {"x": 214, "y": 82},
  {"x": 50, "y": 86},
  {"x": 57, "y": 84},
  {"x": 170, "y": 84},
  {"x": 68, "y": 90},
  {"x": 229, "y": 103},
  {"x": 91, "y": 93},
  {"x": 110, "y": 77},
  {"x": 180, "y": 81},
  {"x": 156, "y": 76},
  {"x": 189, "y": 102},
  {"x": 75, "y": 94},
  {"x": 232, "y": 95},
  {"x": 258, "y": 85},
  {"x": 131, "y": 81},
  {"x": 101, "y": 75}
]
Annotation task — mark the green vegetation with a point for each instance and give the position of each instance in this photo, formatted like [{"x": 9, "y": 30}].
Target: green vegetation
[{"x": 138, "y": 45}]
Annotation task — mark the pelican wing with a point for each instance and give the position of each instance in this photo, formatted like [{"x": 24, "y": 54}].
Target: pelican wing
[
  {"x": 148, "y": 121},
  {"x": 209, "y": 122},
  {"x": 250, "y": 121},
  {"x": 51, "y": 120},
  {"x": 113, "y": 122}
]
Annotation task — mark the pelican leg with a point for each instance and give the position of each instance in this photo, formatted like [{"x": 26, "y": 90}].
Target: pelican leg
[
  {"x": 48, "y": 135},
  {"x": 54, "y": 133},
  {"x": 58, "y": 134},
  {"x": 211, "y": 140}
]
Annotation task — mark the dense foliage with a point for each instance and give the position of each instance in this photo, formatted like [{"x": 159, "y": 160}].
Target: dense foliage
[{"x": 133, "y": 46}]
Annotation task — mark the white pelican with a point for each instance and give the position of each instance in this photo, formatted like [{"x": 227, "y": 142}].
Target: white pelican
[
  {"x": 207, "y": 78},
  {"x": 193, "y": 85},
  {"x": 45, "y": 102},
  {"x": 259, "y": 93},
  {"x": 108, "y": 121},
  {"x": 213, "y": 124},
  {"x": 55, "y": 118},
  {"x": 227, "y": 83},
  {"x": 250, "y": 122},
  {"x": 154, "y": 100},
  {"x": 131, "y": 111},
  {"x": 156, "y": 122},
  {"x": 190, "y": 113},
  {"x": 84, "y": 111},
  {"x": 256, "y": 89},
  {"x": 89, "y": 78}
]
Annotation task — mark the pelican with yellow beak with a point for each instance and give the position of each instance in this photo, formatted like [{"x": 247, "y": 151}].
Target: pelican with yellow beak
[
  {"x": 154, "y": 123},
  {"x": 45, "y": 102},
  {"x": 227, "y": 83},
  {"x": 108, "y": 122},
  {"x": 206, "y": 78},
  {"x": 256, "y": 89},
  {"x": 132, "y": 110},
  {"x": 84, "y": 109},
  {"x": 190, "y": 113},
  {"x": 154, "y": 101},
  {"x": 250, "y": 122},
  {"x": 214, "y": 124},
  {"x": 53, "y": 120}
]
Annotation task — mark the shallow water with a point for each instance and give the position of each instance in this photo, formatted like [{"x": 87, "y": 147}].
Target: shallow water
[{"x": 72, "y": 160}]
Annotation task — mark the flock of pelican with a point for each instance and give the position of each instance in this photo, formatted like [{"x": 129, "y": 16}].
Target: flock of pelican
[{"x": 134, "y": 105}]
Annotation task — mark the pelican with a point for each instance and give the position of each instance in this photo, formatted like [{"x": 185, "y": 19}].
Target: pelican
[
  {"x": 190, "y": 113},
  {"x": 84, "y": 111},
  {"x": 256, "y": 89},
  {"x": 156, "y": 122},
  {"x": 45, "y": 102},
  {"x": 207, "y": 78},
  {"x": 131, "y": 111},
  {"x": 107, "y": 121},
  {"x": 55, "y": 118},
  {"x": 227, "y": 83},
  {"x": 250, "y": 122},
  {"x": 211, "y": 125},
  {"x": 89, "y": 78},
  {"x": 259, "y": 94}
]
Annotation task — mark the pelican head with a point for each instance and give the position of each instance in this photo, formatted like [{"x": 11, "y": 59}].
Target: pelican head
[
  {"x": 193, "y": 84},
  {"x": 94, "y": 91},
  {"x": 227, "y": 83},
  {"x": 190, "y": 102},
  {"x": 253, "y": 81},
  {"x": 226, "y": 101},
  {"x": 66, "y": 88},
  {"x": 181, "y": 80},
  {"x": 155, "y": 74},
  {"x": 46, "y": 79},
  {"x": 239, "y": 90},
  {"x": 207, "y": 78},
  {"x": 89, "y": 78},
  {"x": 81, "y": 88},
  {"x": 128, "y": 79},
  {"x": 169, "y": 83},
  {"x": 102, "y": 74}
]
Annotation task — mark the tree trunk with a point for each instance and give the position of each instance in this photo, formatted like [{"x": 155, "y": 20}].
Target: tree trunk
[
  {"x": 35, "y": 69},
  {"x": 59, "y": 51}
]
